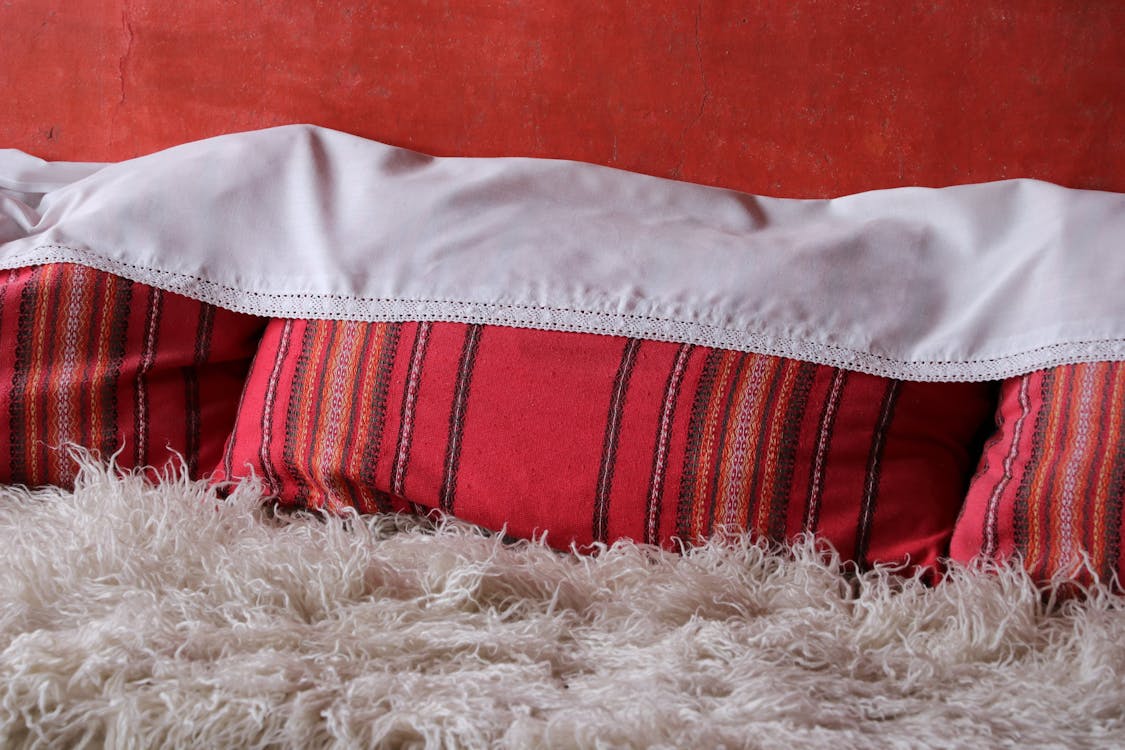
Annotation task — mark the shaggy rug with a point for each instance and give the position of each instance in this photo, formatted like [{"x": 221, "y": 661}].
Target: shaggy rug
[{"x": 141, "y": 615}]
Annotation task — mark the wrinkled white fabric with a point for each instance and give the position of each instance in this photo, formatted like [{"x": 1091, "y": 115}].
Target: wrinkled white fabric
[{"x": 963, "y": 283}]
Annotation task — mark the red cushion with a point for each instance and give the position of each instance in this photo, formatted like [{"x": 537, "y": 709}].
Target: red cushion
[
  {"x": 593, "y": 437},
  {"x": 105, "y": 363},
  {"x": 1051, "y": 482}
]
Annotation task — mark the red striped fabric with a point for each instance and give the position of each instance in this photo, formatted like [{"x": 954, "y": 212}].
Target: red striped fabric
[
  {"x": 92, "y": 359},
  {"x": 595, "y": 438},
  {"x": 1051, "y": 482}
]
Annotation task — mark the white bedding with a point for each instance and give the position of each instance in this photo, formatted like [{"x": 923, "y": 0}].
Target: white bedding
[{"x": 964, "y": 283}]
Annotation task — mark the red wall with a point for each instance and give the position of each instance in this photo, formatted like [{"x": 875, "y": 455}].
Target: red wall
[{"x": 785, "y": 97}]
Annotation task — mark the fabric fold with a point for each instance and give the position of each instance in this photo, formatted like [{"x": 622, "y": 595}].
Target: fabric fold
[{"x": 973, "y": 282}]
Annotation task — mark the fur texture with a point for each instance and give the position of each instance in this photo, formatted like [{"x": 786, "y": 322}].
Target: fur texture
[{"x": 139, "y": 615}]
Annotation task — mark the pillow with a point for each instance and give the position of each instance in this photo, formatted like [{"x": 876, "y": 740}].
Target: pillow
[
  {"x": 114, "y": 366},
  {"x": 1051, "y": 482},
  {"x": 593, "y": 438}
]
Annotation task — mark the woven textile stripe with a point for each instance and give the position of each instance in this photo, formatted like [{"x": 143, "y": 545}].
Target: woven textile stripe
[
  {"x": 751, "y": 416},
  {"x": 594, "y": 438},
  {"x": 70, "y": 342},
  {"x": 95, "y": 360},
  {"x": 409, "y": 404},
  {"x": 612, "y": 436},
  {"x": 730, "y": 455},
  {"x": 874, "y": 469},
  {"x": 824, "y": 433},
  {"x": 335, "y": 412},
  {"x": 192, "y": 403},
  {"x": 1052, "y": 482},
  {"x": 663, "y": 440},
  {"x": 457, "y": 417},
  {"x": 153, "y": 307}
]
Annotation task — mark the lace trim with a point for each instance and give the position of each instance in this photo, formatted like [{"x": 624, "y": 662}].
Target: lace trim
[{"x": 343, "y": 307}]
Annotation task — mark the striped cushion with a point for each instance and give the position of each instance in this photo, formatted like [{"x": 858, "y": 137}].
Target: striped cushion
[
  {"x": 1051, "y": 482},
  {"x": 593, "y": 438},
  {"x": 93, "y": 359}
]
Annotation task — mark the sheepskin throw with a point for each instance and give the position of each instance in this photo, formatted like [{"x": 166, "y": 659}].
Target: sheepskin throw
[{"x": 140, "y": 615}]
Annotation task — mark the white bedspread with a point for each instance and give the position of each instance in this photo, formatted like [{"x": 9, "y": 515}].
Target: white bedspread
[{"x": 963, "y": 283}]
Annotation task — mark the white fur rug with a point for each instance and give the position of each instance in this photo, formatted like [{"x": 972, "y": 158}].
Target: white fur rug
[{"x": 141, "y": 616}]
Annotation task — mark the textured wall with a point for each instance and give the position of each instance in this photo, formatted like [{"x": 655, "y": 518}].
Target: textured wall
[{"x": 786, "y": 97}]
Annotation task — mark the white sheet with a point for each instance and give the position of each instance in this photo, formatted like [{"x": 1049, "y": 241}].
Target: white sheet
[{"x": 964, "y": 283}]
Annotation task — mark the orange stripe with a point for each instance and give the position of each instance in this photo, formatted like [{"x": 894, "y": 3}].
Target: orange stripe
[
  {"x": 307, "y": 395},
  {"x": 38, "y": 369},
  {"x": 51, "y": 373},
  {"x": 1054, "y": 453},
  {"x": 55, "y": 408},
  {"x": 328, "y": 434},
  {"x": 77, "y": 295},
  {"x": 1040, "y": 508},
  {"x": 776, "y": 429},
  {"x": 759, "y": 439},
  {"x": 103, "y": 326},
  {"x": 368, "y": 382},
  {"x": 348, "y": 375},
  {"x": 1092, "y": 376},
  {"x": 325, "y": 394},
  {"x": 335, "y": 398},
  {"x": 1101, "y": 487},
  {"x": 707, "y": 445},
  {"x": 97, "y": 309},
  {"x": 85, "y": 311}
]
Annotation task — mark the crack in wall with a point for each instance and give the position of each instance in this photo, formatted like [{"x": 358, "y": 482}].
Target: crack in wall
[
  {"x": 704, "y": 96},
  {"x": 123, "y": 61}
]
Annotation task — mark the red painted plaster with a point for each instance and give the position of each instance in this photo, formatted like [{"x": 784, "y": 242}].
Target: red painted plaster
[{"x": 786, "y": 97}]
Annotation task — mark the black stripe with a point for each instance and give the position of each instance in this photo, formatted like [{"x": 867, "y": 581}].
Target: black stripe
[
  {"x": 1116, "y": 487},
  {"x": 724, "y": 427},
  {"x": 47, "y": 408},
  {"x": 1056, "y": 471},
  {"x": 1021, "y": 507},
  {"x": 293, "y": 414},
  {"x": 123, "y": 294},
  {"x": 353, "y": 485},
  {"x": 874, "y": 472},
  {"x": 610, "y": 438},
  {"x": 773, "y": 391},
  {"x": 10, "y": 281},
  {"x": 141, "y": 408},
  {"x": 191, "y": 386},
  {"x": 4, "y": 293},
  {"x": 100, "y": 289},
  {"x": 826, "y": 425},
  {"x": 406, "y": 429},
  {"x": 457, "y": 417},
  {"x": 787, "y": 453},
  {"x": 660, "y": 465},
  {"x": 1114, "y": 507},
  {"x": 316, "y": 401},
  {"x": 269, "y": 406},
  {"x": 378, "y": 409},
  {"x": 17, "y": 405},
  {"x": 696, "y": 426}
]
